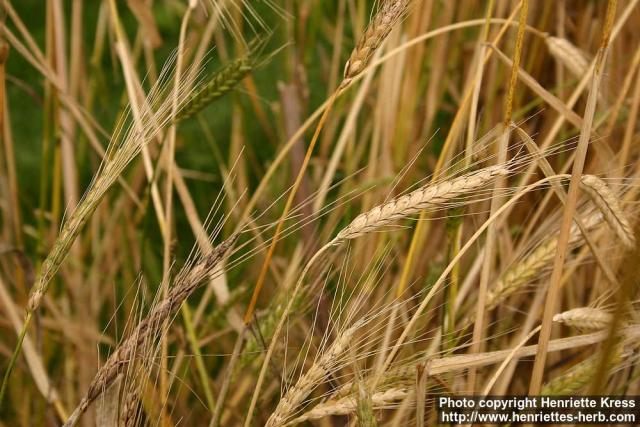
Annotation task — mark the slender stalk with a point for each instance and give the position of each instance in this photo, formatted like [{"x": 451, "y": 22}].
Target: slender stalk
[
  {"x": 287, "y": 207},
  {"x": 168, "y": 210},
  {"x": 496, "y": 200},
  {"x": 570, "y": 206}
]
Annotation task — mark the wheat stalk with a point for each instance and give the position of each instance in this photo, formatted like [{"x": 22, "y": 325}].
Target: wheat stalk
[
  {"x": 365, "y": 407},
  {"x": 349, "y": 405},
  {"x": 428, "y": 196},
  {"x": 584, "y": 318},
  {"x": 318, "y": 372},
  {"x": 568, "y": 55},
  {"x": 151, "y": 326},
  {"x": 379, "y": 28},
  {"x": 609, "y": 205}
]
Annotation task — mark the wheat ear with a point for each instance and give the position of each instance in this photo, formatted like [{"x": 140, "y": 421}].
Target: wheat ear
[
  {"x": 428, "y": 196},
  {"x": 431, "y": 196},
  {"x": 131, "y": 408},
  {"x": 578, "y": 376},
  {"x": 348, "y": 405},
  {"x": 151, "y": 326},
  {"x": 529, "y": 268},
  {"x": 568, "y": 55},
  {"x": 379, "y": 28},
  {"x": 316, "y": 374},
  {"x": 584, "y": 318},
  {"x": 402, "y": 375},
  {"x": 218, "y": 85},
  {"x": 122, "y": 150},
  {"x": 609, "y": 205}
]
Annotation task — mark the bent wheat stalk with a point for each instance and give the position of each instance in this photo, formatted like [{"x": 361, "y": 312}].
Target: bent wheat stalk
[{"x": 151, "y": 326}]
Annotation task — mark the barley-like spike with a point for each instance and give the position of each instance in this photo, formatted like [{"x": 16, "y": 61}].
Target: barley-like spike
[
  {"x": 584, "y": 318},
  {"x": 609, "y": 205},
  {"x": 123, "y": 148},
  {"x": 132, "y": 409},
  {"x": 150, "y": 327},
  {"x": 402, "y": 375},
  {"x": 574, "y": 379},
  {"x": 316, "y": 374},
  {"x": 578, "y": 376},
  {"x": 568, "y": 55},
  {"x": 379, "y": 28},
  {"x": 348, "y": 405},
  {"x": 426, "y": 197},
  {"x": 219, "y": 85},
  {"x": 529, "y": 268}
]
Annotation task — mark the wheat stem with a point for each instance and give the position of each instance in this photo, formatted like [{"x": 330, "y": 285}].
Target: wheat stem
[{"x": 570, "y": 206}]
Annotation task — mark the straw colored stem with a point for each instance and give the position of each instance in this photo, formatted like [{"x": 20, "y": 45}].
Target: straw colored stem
[{"x": 570, "y": 206}]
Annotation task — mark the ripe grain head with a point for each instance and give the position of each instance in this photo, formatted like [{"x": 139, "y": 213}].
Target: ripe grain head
[
  {"x": 151, "y": 326},
  {"x": 584, "y": 318},
  {"x": 383, "y": 22},
  {"x": 568, "y": 55},
  {"x": 428, "y": 197},
  {"x": 609, "y": 205}
]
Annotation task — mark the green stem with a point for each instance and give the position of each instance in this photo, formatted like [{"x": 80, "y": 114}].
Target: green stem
[
  {"x": 14, "y": 356},
  {"x": 195, "y": 347}
]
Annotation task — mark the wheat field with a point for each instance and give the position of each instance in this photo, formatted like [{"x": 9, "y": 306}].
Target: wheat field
[{"x": 316, "y": 213}]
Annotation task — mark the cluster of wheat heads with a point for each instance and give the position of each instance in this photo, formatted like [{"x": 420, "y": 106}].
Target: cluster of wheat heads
[{"x": 404, "y": 249}]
